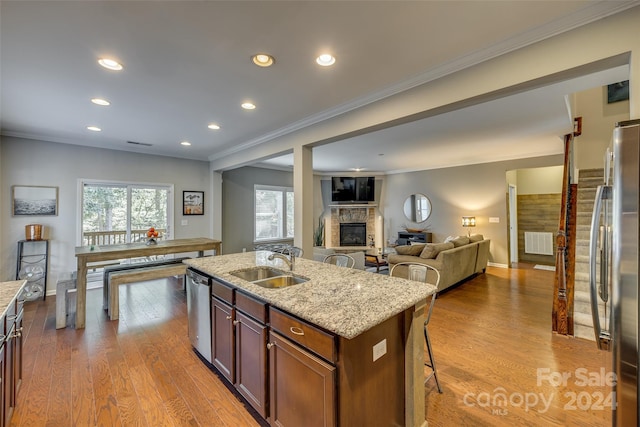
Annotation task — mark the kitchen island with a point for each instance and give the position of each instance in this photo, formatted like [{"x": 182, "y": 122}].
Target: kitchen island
[
  {"x": 361, "y": 332},
  {"x": 12, "y": 311}
]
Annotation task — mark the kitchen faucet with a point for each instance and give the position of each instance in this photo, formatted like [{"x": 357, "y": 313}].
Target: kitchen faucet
[{"x": 290, "y": 260}]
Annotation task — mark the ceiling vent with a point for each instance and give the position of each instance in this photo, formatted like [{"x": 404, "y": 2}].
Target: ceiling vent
[{"x": 139, "y": 143}]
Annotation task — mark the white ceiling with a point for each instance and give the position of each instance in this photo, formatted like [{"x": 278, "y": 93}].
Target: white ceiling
[{"x": 188, "y": 64}]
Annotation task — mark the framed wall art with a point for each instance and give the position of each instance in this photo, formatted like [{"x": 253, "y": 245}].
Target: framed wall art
[
  {"x": 193, "y": 202},
  {"x": 618, "y": 92},
  {"x": 31, "y": 200}
]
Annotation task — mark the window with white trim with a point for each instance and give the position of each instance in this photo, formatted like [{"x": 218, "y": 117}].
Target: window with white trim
[
  {"x": 122, "y": 212},
  {"x": 273, "y": 213}
]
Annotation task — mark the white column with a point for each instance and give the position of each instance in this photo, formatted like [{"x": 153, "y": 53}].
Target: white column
[
  {"x": 634, "y": 85},
  {"x": 303, "y": 199},
  {"x": 215, "y": 206}
]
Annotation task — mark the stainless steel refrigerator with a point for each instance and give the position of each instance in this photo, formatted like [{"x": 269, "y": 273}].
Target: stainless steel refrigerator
[{"x": 614, "y": 267}]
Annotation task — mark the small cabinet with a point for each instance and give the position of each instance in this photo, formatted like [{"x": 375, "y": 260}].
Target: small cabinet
[
  {"x": 292, "y": 364},
  {"x": 11, "y": 358},
  {"x": 222, "y": 342},
  {"x": 17, "y": 359},
  {"x": 239, "y": 343},
  {"x": 251, "y": 352},
  {"x": 3, "y": 378},
  {"x": 406, "y": 238}
]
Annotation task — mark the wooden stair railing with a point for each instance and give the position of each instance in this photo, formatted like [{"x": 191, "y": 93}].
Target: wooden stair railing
[{"x": 564, "y": 283}]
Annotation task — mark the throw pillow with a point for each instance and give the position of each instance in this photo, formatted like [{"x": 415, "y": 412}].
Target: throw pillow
[
  {"x": 460, "y": 241},
  {"x": 431, "y": 250},
  {"x": 450, "y": 239},
  {"x": 476, "y": 238},
  {"x": 413, "y": 250}
]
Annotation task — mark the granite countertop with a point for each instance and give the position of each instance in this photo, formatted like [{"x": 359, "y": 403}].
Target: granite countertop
[
  {"x": 9, "y": 291},
  {"x": 344, "y": 301}
]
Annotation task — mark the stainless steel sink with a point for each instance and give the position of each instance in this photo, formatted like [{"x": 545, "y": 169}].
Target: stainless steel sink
[
  {"x": 268, "y": 277},
  {"x": 280, "y": 281},
  {"x": 257, "y": 273}
]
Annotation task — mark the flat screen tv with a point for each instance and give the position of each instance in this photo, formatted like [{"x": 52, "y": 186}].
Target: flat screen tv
[{"x": 358, "y": 189}]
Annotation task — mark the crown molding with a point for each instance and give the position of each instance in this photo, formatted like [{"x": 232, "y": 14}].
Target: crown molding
[{"x": 590, "y": 13}]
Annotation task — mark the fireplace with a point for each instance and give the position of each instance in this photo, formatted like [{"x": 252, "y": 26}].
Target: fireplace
[{"x": 353, "y": 234}]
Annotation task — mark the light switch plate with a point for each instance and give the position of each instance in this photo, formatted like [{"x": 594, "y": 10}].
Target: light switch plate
[
  {"x": 494, "y": 219},
  {"x": 379, "y": 349},
  {"x": 184, "y": 222}
]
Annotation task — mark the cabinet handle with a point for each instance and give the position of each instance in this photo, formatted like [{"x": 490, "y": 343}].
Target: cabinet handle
[
  {"x": 235, "y": 322},
  {"x": 270, "y": 345},
  {"x": 296, "y": 330},
  {"x": 228, "y": 317},
  {"x": 12, "y": 317},
  {"x": 17, "y": 334}
]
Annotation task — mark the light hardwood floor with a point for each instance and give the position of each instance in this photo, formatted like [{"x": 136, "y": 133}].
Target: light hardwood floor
[{"x": 491, "y": 332}]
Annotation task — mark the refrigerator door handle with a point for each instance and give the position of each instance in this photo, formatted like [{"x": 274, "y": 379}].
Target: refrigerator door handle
[{"x": 603, "y": 337}]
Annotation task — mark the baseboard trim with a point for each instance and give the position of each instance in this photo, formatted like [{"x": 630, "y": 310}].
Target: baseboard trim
[{"x": 495, "y": 264}]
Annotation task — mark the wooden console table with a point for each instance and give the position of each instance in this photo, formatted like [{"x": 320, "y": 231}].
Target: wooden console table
[
  {"x": 377, "y": 258},
  {"x": 87, "y": 254}
]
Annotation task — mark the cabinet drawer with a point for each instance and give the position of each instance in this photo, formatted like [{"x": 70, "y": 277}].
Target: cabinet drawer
[
  {"x": 305, "y": 334},
  {"x": 19, "y": 304},
  {"x": 252, "y": 307},
  {"x": 9, "y": 319},
  {"x": 222, "y": 291}
]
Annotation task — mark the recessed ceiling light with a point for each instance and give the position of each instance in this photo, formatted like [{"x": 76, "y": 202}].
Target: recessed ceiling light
[
  {"x": 100, "y": 101},
  {"x": 263, "y": 60},
  {"x": 325, "y": 60},
  {"x": 248, "y": 106},
  {"x": 94, "y": 128},
  {"x": 213, "y": 126},
  {"x": 110, "y": 64},
  {"x": 185, "y": 143}
]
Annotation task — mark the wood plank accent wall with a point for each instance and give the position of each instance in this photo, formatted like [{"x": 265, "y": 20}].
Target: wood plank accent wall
[{"x": 537, "y": 212}]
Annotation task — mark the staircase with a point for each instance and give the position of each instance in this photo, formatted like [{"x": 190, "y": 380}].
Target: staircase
[{"x": 583, "y": 322}]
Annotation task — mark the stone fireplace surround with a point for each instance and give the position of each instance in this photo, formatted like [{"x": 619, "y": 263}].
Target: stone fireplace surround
[{"x": 349, "y": 214}]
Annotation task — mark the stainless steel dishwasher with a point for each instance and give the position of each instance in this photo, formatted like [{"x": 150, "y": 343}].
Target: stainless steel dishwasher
[{"x": 199, "y": 312}]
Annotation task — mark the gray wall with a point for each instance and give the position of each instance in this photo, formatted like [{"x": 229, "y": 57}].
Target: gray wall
[
  {"x": 237, "y": 203},
  {"x": 30, "y": 162},
  {"x": 474, "y": 190},
  {"x": 478, "y": 190}
]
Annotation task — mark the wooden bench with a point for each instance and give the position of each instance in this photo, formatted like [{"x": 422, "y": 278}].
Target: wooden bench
[
  {"x": 65, "y": 299},
  {"x": 134, "y": 266},
  {"x": 138, "y": 275},
  {"x": 119, "y": 275}
]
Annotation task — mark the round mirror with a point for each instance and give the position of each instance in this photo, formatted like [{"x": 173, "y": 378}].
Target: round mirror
[{"x": 417, "y": 208}]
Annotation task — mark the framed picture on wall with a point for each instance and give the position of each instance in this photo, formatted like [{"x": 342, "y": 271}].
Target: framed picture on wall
[
  {"x": 193, "y": 202},
  {"x": 31, "y": 200},
  {"x": 618, "y": 92}
]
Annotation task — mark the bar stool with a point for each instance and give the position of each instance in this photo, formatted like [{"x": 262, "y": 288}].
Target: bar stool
[
  {"x": 341, "y": 260},
  {"x": 418, "y": 272}
]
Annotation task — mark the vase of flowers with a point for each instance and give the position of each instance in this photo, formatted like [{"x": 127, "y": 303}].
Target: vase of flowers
[{"x": 152, "y": 236}]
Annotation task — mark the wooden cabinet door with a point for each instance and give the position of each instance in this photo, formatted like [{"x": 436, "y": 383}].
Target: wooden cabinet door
[
  {"x": 303, "y": 387},
  {"x": 17, "y": 360},
  {"x": 8, "y": 373},
  {"x": 2, "y": 380},
  {"x": 251, "y": 362},
  {"x": 222, "y": 345}
]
